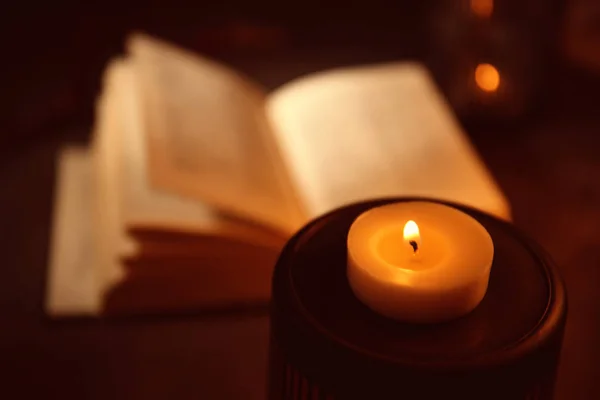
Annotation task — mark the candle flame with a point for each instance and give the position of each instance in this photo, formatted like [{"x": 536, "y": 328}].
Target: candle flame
[{"x": 412, "y": 236}]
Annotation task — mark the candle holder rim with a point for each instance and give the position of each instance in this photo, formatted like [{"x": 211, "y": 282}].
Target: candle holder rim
[{"x": 554, "y": 311}]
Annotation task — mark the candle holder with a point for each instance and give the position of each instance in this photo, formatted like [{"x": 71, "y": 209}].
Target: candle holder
[{"x": 326, "y": 344}]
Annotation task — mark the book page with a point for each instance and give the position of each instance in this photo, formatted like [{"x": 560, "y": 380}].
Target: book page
[
  {"x": 144, "y": 207},
  {"x": 88, "y": 236},
  {"x": 207, "y": 136},
  {"x": 110, "y": 238},
  {"x": 130, "y": 220},
  {"x": 360, "y": 133},
  {"x": 71, "y": 284}
]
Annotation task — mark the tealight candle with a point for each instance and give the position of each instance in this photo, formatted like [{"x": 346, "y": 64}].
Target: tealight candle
[{"x": 419, "y": 261}]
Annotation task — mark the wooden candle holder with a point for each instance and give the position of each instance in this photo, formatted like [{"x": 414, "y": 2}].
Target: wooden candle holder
[{"x": 326, "y": 344}]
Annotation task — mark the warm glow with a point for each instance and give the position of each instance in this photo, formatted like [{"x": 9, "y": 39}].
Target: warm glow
[
  {"x": 482, "y": 8},
  {"x": 412, "y": 235},
  {"x": 487, "y": 77}
]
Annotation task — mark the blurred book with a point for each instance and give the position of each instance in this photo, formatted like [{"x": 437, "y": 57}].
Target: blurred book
[{"x": 196, "y": 177}]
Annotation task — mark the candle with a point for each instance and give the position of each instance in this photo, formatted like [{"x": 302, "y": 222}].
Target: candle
[
  {"x": 326, "y": 343},
  {"x": 419, "y": 261}
]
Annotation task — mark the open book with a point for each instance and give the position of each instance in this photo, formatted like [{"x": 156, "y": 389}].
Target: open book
[{"x": 195, "y": 177}]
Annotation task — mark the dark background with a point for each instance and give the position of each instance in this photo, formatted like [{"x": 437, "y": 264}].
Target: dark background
[{"x": 52, "y": 55}]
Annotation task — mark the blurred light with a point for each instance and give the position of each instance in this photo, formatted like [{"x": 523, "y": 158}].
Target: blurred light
[
  {"x": 482, "y": 8},
  {"x": 487, "y": 77}
]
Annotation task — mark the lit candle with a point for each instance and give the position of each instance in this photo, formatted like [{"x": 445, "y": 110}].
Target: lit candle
[{"x": 419, "y": 261}]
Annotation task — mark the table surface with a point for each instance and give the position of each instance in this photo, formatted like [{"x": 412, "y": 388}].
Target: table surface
[{"x": 549, "y": 168}]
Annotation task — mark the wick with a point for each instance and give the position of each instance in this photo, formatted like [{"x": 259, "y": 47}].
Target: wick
[{"x": 414, "y": 245}]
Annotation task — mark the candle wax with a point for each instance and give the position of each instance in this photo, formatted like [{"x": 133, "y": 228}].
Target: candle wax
[{"x": 444, "y": 278}]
